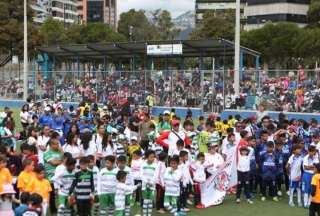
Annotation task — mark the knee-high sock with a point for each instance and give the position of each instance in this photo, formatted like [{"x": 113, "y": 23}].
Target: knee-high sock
[
  {"x": 299, "y": 195},
  {"x": 127, "y": 210},
  {"x": 111, "y": 211},
  {"x": 291, "y": 190},
  {"x": 145, "y": 207},
  {"x": 305, "y": 199},
  {"x": 150, "y": 206}
]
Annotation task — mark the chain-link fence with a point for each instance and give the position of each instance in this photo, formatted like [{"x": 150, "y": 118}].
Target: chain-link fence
[{"x": 213, "y": 91}]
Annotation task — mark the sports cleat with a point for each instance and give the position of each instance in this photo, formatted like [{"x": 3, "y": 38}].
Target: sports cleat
[
  {"x": 263, "y": 199},
  {"x": 250, "y": 201},
  {"x": 291, "y": 204},
  {"x": 275, "y": 199},
  {"x": 279, "y": 193}
]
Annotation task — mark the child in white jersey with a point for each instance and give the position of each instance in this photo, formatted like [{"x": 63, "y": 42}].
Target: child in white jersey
[
  {"x": 172, "y": 179},
  {"x": 122, "y": 166},
  {"x": 64, "y": 182},
  {"x": 199, "y": 176},
  {"x": 136, "y": 164},
  {"x": 294, "y": 169},
  {"x": 308, "y": 171},
  {"x": 148, "y": 173},
  {"x": 106, "y": 186},
  {"x": 122, "y": 190}
]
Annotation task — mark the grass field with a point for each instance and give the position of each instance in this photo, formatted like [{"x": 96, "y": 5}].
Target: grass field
[
  {"x": 259, "y": 208},
  {"x": 229, "y": 207}
]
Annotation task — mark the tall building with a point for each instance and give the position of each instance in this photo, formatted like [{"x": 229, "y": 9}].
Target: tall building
[
  {"x": 98, "y": 11},
  {"x": 65, "y": 10},
  {"x": 203, "y": 6},
  {"x": 40, "y": 10},
  {"x": 82, "y": 10},
  {"x": 259, "y": 12}
]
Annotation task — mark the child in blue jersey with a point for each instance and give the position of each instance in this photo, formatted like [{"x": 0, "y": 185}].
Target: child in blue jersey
[
  {"x": 280, "y": 167},
  {"x": 294, "y": 170},
  {"x": 268, "y": 163},
  {"x": 308, "y": 171},
  {"x": 253, "y": 164}
]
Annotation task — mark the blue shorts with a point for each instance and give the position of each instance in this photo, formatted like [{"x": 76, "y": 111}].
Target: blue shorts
[
  {"x": 295, "y": 184},
  {"x": 306, "y": 182}
]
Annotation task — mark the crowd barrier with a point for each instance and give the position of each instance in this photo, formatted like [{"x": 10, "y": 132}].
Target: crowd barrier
[{"x": 182, "y": 111}]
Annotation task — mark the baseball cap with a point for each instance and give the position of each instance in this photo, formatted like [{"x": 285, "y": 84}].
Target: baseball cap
[
  {"x": 166, "y": 112},
  {"x": 134, "y": 138}
]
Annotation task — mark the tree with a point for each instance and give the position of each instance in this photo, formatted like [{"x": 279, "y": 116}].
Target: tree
[
  {"x": 276, "y": 42},
  {"x": 141, "y": 28},
  {"x": 53, "y": 32},
  {"x": 11, "y": 26},
  {"x": 314, "y": 14},
  {"x": 216, "y": 25},
  {"x": 100, "y": 32},
  {"x": 163, "y": 22}
]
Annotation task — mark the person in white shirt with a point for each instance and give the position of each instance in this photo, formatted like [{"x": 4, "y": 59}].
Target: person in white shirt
[
  {"x": 308, "y": 171},
  {"x": 24, "y": 115},
  {"x": 199, "y": 177},
  {"x": 162, "y": 157},
  {"x": 294, "y": 168},
  {"x": 186, "y": 180},
  {"x": 88, "y": 147},
  {"x": 42, "y": 142},
  {"x": 148, "y": 173},
  {"x": 172, "y": 179},
  {"x": 243, "y": 168},
  {"x": 122, "y": 189},
  {"x": 107, "y": 182},
  {"x": 136, "y": 164},
  {"x": 97, "y": 139},
  {"x": 72, "y": 146},
  {"x": 213, "y": 160},
  {"x": 229, "y": 150}
]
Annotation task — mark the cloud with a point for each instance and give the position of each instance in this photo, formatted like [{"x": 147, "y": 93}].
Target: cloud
[{"x": 176, "y": 7}]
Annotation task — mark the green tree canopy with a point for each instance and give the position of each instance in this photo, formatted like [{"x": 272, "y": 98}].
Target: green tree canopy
[
  {"x": 142, "y": 29},
  {"x": 216, "y": 25},
  {"x": 314, "y": 14}
]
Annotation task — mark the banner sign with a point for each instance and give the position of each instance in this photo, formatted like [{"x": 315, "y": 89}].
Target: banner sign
[
  {"x": 164, "y": 49},
  {"x": 214, "y": 189}
]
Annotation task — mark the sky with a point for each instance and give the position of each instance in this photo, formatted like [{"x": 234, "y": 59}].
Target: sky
[{"x": 176, "y": 7}]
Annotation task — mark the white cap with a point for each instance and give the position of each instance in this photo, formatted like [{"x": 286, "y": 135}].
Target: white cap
[
  {"x": 134, "y": 138},
  {"x": 166, "y": 112},
  {"x": 47, "y": 109},
  {"x": 114, "y": 130}
]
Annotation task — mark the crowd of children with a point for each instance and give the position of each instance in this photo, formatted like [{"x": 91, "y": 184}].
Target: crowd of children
[{"x": 91, "y": 161}]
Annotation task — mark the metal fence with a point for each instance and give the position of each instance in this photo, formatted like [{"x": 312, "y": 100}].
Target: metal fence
[{"x": 288, "y": 90}]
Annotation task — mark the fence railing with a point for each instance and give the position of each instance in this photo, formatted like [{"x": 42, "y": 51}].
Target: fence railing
[{"x": 289, "y": 90}]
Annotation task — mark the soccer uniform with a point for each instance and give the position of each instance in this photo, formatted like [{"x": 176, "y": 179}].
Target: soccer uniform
[
  {"x": 64, "y": 182},
  {"x": 83, "y": 187},
  {"x": 107, "y": 182},
  {"x": 307, "y": 177},
  {"x": 148, "y": 173},
  {"x": 48, "y": 156},
  {"x": 315, "y": 203},
  {"x": 43, "y": 188},
  {"x": 280, "y": 169},
  {"x": 95, "y": 171},
  {"x": 172, "y": 179},
  {"x": 129, "y": 182},
  {"x": 269, "y": 169},
  {"x": 295, "y": 162},
  {"x": 122, "y": 190},
  {"x": 23, "y": 179}
]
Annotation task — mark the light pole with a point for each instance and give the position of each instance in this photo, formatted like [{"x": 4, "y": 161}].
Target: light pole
[
  {"x": 25, "y": 52},
  {"x": 237, "y": 51}
]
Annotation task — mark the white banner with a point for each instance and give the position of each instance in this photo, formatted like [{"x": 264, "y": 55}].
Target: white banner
[
  {"x": 164, "y": 49},
  {"x": 214, "y": 190}
]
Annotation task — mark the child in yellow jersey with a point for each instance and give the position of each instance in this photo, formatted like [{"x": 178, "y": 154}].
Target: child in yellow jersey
[
  {"x": 26, "y": 175},
  {"x": 5, "y": 175},
  {"x": 314, "y": 208},
  {"x": 41, "y": 186},
  {"x": 218, "y": 125},
  {"x": 224, "y": 128},
  {"x": 231, "y": 121},
  {"x": 134, "y": 146}
]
